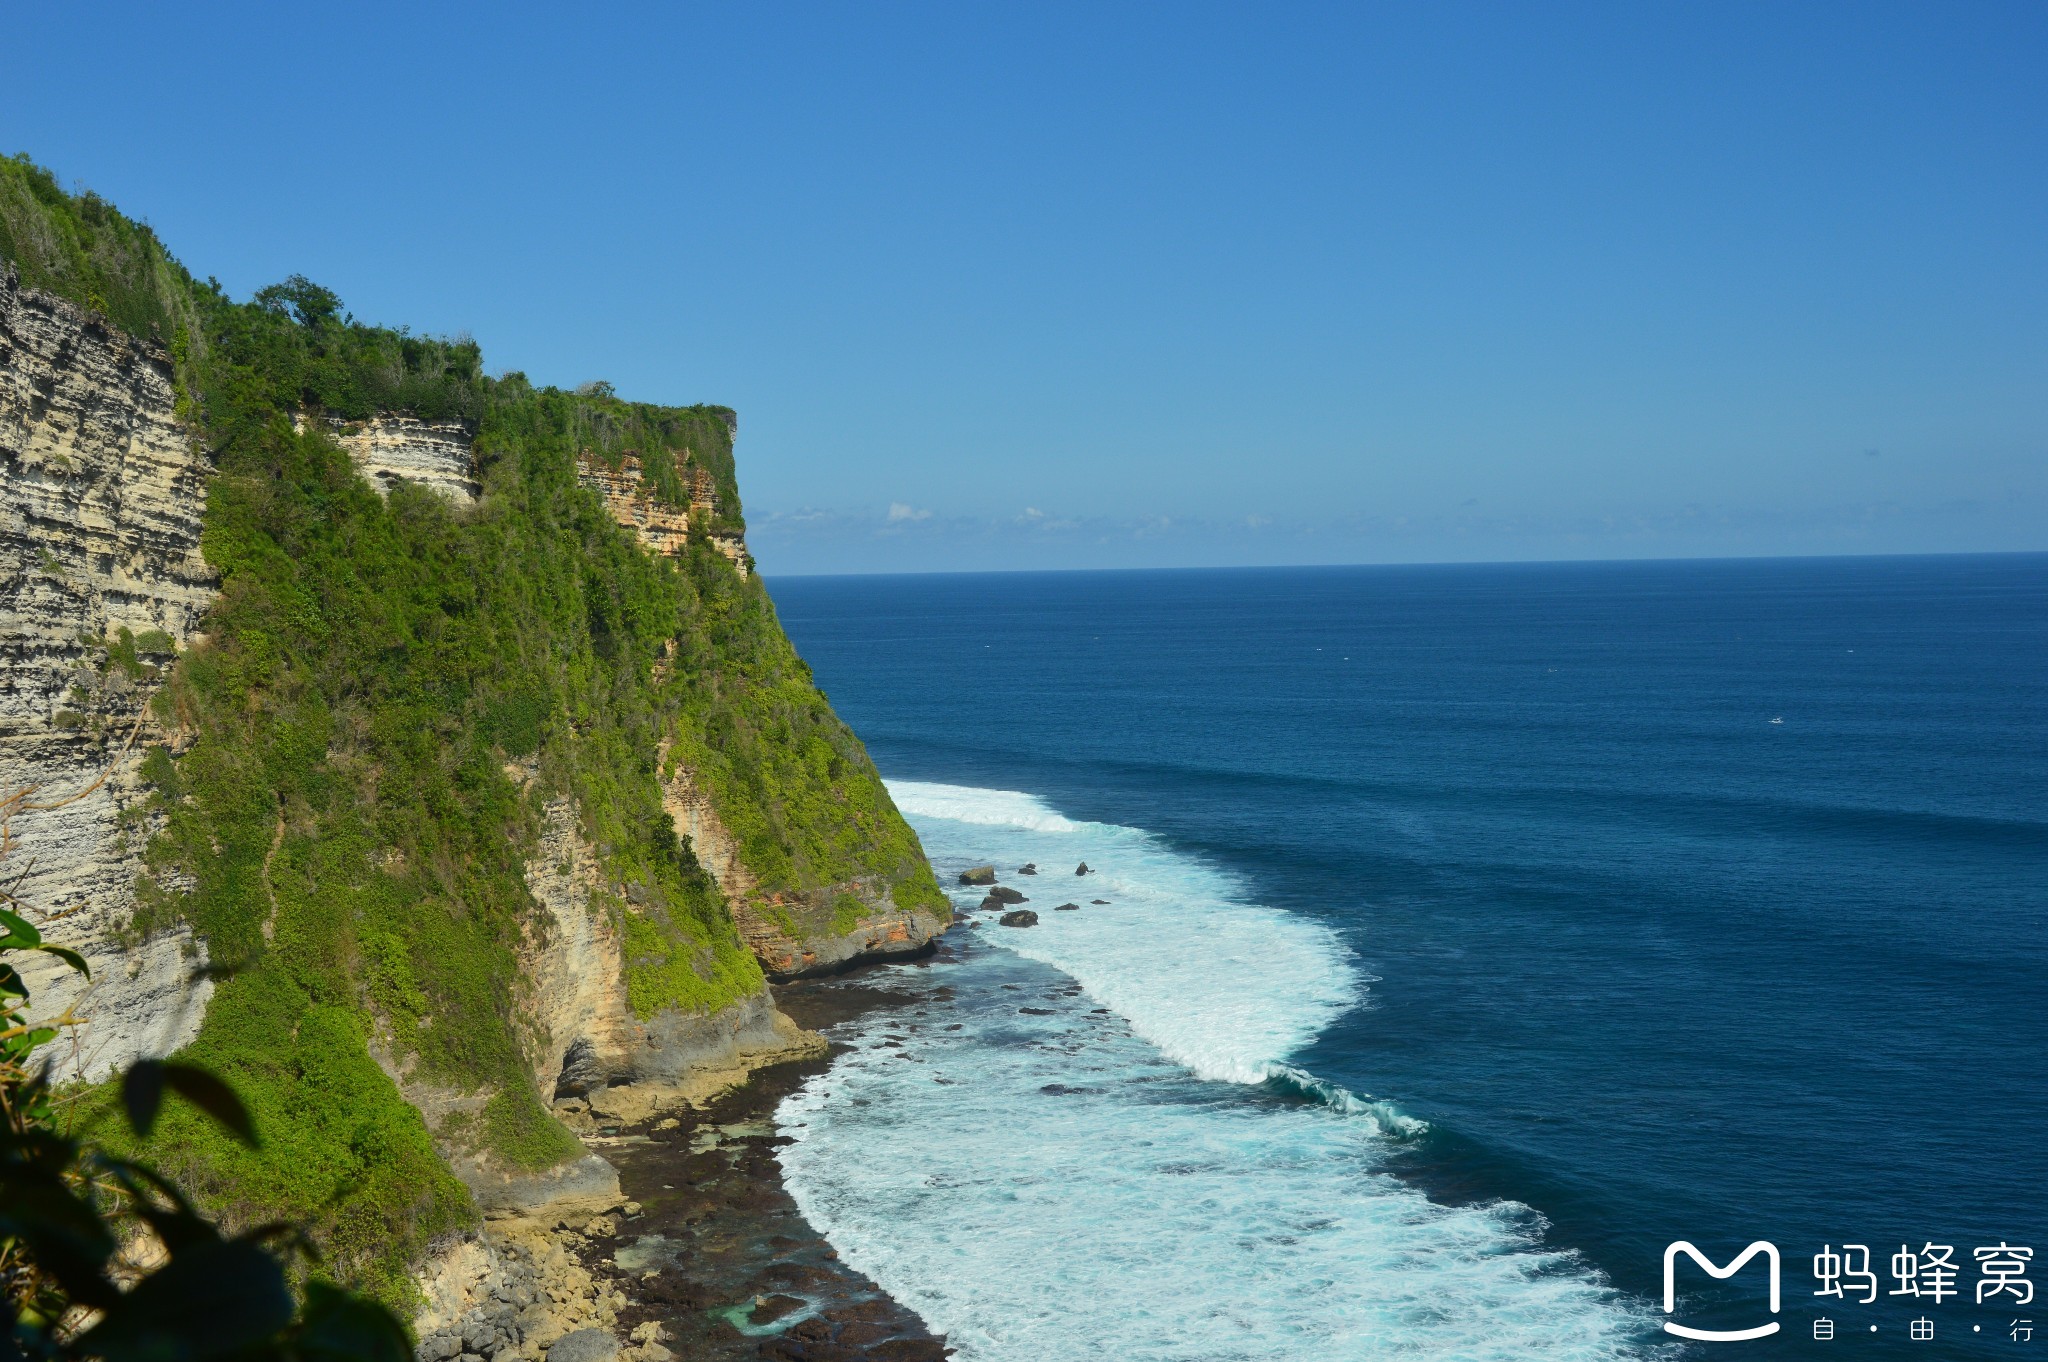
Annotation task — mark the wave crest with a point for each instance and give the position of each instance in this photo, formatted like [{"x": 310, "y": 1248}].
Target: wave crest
[
  {"x": 981, "y": 808},
  {"x": 1224, "y": 987}
]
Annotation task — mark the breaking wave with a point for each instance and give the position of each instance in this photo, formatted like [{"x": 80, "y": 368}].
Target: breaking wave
[{"x": 1091, "y": 1143}]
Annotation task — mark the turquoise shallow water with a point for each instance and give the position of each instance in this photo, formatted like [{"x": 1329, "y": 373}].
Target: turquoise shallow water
[{"x": 1514, "y": 865}]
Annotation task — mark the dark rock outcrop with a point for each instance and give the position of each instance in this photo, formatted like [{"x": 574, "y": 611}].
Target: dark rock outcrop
[
  {"x": 1002, "y": 893},
  {"x": 1021, "y": 917},
  {"x": 1028, "y": 868},
  {"x": 584, "y": 1345},
  {"x": 1067, "y": 908},
  {"x": 980, "y": 874},
  {"x": 1082, "y": 869}
]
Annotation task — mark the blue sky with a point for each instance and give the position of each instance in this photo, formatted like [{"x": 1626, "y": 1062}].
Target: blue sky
[{"x": 1120, "y": 285}]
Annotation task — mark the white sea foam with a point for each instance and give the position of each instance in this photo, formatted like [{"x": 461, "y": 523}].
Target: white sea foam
[
  {"x": 981, "y": 808},
  {"x": 1225, "y": 987},
  {"x": 1066, "y": 1183}
]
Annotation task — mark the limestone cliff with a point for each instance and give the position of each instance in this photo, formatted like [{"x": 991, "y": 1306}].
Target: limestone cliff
[
  {"x": 664, "y": 529},
  {"x": 446, "y": 826},
  {"x": 587, "y": 1037},
  {"x": 796, "y": 934},
  {"x": 793, "y": 932},
  {"x": 103, "y": 581},
  {"x": 391, "y": 448},
  {"x": 106, "y": 584}
]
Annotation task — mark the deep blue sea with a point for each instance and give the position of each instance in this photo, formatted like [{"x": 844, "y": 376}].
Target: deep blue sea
[{"x": 1473, "y": 933}]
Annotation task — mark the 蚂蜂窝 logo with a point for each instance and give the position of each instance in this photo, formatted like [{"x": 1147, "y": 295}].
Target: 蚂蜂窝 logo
[{"x": 1671, "y": 1252}]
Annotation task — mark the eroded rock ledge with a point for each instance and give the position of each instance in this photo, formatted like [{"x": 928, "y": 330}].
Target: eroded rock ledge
[
  {"x": 394, "y": 448},
  {"x": 662, "y": 528}
]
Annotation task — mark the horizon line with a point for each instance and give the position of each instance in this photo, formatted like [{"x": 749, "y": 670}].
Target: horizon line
[{"x": 1442, "y": 563}]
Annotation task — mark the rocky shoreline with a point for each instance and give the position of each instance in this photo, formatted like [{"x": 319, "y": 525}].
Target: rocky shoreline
[
  {"x": 702, "y": 1254},
  {"x": 718, "y": 1258}
]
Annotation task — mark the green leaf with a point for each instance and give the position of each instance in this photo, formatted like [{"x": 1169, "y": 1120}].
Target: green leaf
[
  {"x": 211, "y": 1301},
  {"x": 19, "y": 934},
  {"x": 213, "y": 1097},
  {"x": 69, "y": 957},
  {"x": 339, "y": 1327},
  {"x": 142, "y": 1092}
]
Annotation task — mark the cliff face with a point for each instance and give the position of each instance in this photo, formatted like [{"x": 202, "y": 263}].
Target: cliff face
[
  {"x": 99, "y": 539},
  {"x": 664, "y": 529},
  {"x": 793, "y": 933},
  {"x": 792, "y": 930},
  {"x": 390, "y": 449},
  {"x": 588, "y": 1037},
  {"x": 491, "y": 814}
]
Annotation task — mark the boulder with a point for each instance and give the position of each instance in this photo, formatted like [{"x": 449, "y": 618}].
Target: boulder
[
  {"x": 1021, "y": 917},
  {"x": 1081, "y": 869},
  {"x": 980, "y": 874},
  {"x": 991, "y": 902},
  {"x": 584, "y": 1345},
  {"x": 1028, "y": 868},
  {"x": 1067, "y": 908},
  {"x": 1103, "y": 901},
  {"x": 1004, "y": 894}
]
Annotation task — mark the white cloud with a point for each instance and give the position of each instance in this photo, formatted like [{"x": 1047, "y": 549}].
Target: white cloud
[{"x": 903, "y": 511}]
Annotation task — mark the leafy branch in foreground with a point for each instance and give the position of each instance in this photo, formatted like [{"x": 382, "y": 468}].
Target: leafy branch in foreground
[{"x": 101, "y": 1256}]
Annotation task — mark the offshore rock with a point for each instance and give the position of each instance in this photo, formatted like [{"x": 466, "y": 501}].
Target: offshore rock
[
  {"x": 1067, "y": 908},
  {"x": 1081, "y": 869},
  {"x": 1002, "y": 893},
  {"x": 980, "y": 874},
  {"x": 1022, "y": 917},
  {"x": 1028, "y": 868},
  {"x": 102, "y": 490}
]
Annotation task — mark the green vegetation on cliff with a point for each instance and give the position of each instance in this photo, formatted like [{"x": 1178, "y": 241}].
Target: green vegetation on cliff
[
  {"x": 388, "y": 692},
  {"x": 79, "y": 247}
]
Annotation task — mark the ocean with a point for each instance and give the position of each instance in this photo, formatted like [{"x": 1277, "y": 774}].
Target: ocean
[{"x": 1472, "y": 934}]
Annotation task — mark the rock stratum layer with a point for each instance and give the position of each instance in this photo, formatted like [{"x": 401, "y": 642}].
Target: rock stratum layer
[
  {"x": 390, "y": 449},
  {"x": 105, "y": 492},
  {"x": 664, "y": 529}
]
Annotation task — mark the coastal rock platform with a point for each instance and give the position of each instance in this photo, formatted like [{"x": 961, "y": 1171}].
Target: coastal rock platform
[{"x": 713, "y": 1258}]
